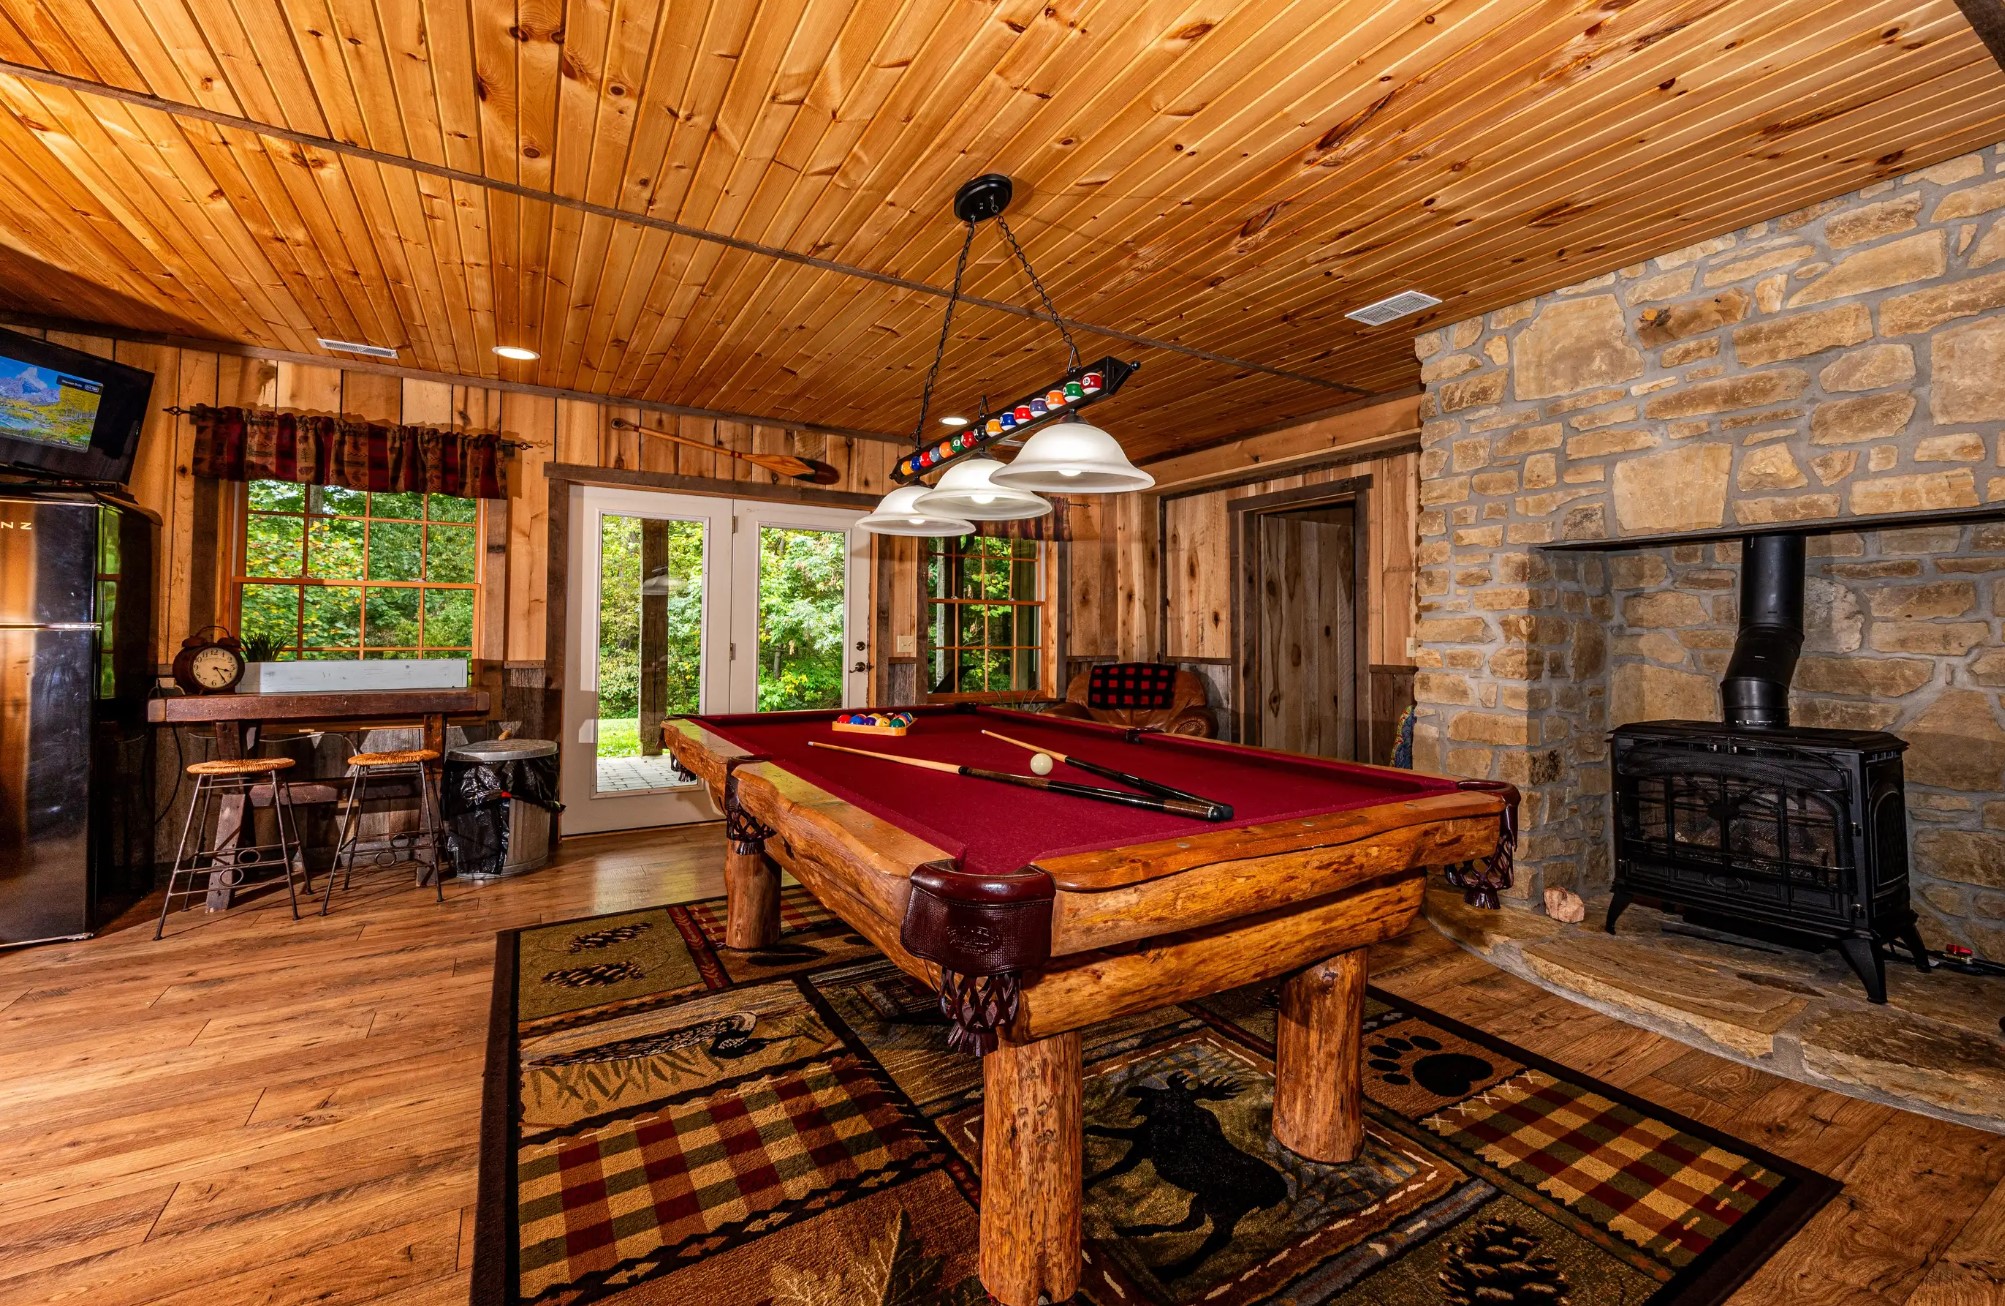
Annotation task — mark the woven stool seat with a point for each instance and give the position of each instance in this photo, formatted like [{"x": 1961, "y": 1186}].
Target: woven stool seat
[
  {"x": 401, "y": 757},
  {"x": 240, "y": 766},
  {"x": 229, "y": 788}
]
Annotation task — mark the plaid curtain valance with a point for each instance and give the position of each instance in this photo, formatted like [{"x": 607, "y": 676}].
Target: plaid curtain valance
[{"x": 263, "y": 444}]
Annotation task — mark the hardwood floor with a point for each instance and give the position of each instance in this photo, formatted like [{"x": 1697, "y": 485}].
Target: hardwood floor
[{"x": 257, "y": 1110}]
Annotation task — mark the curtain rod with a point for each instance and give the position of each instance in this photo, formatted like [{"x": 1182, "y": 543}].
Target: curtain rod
[{"x": 503, "y": 440}]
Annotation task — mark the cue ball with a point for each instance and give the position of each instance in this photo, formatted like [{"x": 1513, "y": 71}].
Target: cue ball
[{"x": 1041, "y": 764}]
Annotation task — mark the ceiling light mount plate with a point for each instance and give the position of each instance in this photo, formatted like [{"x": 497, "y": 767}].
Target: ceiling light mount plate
[{"x": 983, "y": 198}]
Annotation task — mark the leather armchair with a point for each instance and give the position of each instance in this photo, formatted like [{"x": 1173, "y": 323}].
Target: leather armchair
[{"x": 1189, "y": 712}]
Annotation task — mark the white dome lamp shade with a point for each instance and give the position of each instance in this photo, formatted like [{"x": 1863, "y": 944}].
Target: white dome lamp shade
[
  {"x": 966, "y": 489},
  {"x": 898, "y": 513},
  {"x": 1073, "y": 458}
]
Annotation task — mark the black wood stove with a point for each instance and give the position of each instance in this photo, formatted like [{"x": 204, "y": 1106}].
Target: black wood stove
[{"x": 1758, "y": 824}]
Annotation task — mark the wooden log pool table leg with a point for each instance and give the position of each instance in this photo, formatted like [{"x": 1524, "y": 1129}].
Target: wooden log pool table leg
[
  {"x": 1032, "y": 1140},
  {"x": 1318, "y": 1070},
  {"x": 752, "y": 898}
]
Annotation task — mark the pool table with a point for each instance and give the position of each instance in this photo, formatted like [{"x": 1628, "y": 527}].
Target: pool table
[{"x": 1036, "y": 914}]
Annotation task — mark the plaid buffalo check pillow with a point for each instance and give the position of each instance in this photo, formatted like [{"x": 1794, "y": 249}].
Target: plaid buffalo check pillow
[{"x": 1143, "y": 686}]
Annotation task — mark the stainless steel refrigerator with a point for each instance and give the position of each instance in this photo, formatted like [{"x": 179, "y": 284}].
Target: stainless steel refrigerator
[{"x": 76, "y": 754}]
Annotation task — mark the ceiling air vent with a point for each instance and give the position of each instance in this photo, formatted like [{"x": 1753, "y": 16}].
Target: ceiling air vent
[
  {"x": 1394, "y": 307},
  {"x": 350, "y": 347}
]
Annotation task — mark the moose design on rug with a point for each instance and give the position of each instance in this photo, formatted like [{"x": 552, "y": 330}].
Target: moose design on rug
[{"x": 1188, "y": 1148}]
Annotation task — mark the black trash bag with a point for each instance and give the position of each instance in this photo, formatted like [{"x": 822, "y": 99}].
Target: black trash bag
[{"x": 474, "y": 805}]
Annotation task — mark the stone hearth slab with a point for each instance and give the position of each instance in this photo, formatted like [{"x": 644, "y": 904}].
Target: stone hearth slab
[{"x": 1935, "y": 1047}]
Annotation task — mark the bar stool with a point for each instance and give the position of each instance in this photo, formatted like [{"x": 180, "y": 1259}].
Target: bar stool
[
  {"x": 364, "y": 768},
  {"x": 222, "y": 778}
]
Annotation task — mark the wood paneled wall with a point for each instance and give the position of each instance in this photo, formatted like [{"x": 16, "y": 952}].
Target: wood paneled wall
[
  {"x": 1196, "y": 546},
  {"x": 197, "y": 525},
  {"x": 1147, "y": 576}
]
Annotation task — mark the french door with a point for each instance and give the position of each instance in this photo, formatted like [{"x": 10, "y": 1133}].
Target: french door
[{"x": 681, "y": 603}]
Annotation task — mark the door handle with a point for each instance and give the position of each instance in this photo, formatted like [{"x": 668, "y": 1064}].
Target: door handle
[{"x": 861, "y": 666}]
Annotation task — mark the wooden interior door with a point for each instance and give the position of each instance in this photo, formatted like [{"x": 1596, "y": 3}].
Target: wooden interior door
[{"x": 1305, "y": 646}]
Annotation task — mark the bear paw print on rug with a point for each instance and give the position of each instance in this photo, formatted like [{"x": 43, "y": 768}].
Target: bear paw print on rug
[{"x": 1418, "y": 1059}]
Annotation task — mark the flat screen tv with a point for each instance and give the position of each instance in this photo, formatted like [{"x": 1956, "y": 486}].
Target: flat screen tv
[{"x": 67, "y": 415}]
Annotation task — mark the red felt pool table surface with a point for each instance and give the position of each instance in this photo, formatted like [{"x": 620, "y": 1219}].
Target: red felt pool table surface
[{"x": 995, "y": 828}]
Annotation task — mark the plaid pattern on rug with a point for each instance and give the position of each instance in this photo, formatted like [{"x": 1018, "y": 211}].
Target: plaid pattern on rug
[
  {"x": 652, "y": 1182},
  {"x": 1668, "y": 1192},
  {"x": 670, "y": 1122}
]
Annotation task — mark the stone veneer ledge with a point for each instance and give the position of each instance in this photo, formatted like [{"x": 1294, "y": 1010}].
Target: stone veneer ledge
[{"x": 1844, "y": 364}]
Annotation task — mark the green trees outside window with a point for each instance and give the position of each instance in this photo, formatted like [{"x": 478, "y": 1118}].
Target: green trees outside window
[
  {"x": 984, "y": 616},
  {"x": 334, "y": 573},
  {"x": 650, "y": 575},
  {"x": 651, "y": 615},
  {"x": 800, "y": 618}
]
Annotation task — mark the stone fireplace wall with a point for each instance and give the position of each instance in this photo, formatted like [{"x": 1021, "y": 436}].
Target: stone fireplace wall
[{"x": 1840, "y": 365}]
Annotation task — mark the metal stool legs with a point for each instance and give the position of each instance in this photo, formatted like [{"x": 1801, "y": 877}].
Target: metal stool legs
[
  {"x": 429, "y": 832},
  {"x": 198, "y": 862}
]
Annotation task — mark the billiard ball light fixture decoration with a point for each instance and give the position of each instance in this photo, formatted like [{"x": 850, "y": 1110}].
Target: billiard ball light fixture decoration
[{"x": 1063, "y": 454}]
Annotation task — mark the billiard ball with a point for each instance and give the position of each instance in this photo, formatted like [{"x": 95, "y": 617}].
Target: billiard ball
[{"x": 1041, "y": 763}]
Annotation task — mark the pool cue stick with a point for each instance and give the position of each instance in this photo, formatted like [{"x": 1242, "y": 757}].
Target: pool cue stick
[
  {"x": 1200, "y": 809},
  {"x": 1156, "y": 787}
]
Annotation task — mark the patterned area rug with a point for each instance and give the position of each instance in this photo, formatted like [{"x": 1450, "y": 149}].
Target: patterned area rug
[{"x": 669, "y": 1121}]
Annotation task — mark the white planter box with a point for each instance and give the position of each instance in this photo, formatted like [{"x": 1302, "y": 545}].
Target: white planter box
[{"x": 355, "y": 674}]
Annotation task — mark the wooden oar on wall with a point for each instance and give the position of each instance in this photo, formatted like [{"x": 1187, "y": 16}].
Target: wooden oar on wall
[{"x": 779, "y": 464}]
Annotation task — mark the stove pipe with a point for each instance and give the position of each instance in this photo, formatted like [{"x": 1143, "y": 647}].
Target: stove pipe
[{"x": 1755, "y": 692}]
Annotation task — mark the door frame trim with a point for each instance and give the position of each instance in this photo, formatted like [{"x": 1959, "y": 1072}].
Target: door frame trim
[
  {"x": 1244, "y": 549},
  {"x": 598, "y": 501}
]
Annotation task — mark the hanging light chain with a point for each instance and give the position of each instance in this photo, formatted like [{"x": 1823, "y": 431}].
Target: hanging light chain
[
  {"x": 940, "y": 350},
  {"x": 1070, "y": 348}
]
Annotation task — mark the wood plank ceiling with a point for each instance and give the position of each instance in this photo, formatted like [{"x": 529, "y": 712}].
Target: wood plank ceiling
[{"x": 1228, "y": 175}]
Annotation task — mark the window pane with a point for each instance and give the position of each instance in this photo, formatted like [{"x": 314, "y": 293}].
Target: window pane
[
  {"x": 800, "y": 618},
  {"x": 970, "y": 680},
  {"x": 970, "y": 626},
  {"x": 332, "y": 499},
  {"x": 449, "y": 553},
  {"x": 446, "y": 507},
  {"x": 333, "y": 616},
  {"x": 392, "y": 618},
  {"x": 271, "y": 612},
  {"x": 271, "y": 545},
  {"x": 402, "y": 503},
  {"x": 276, "y": 496},
  {"x": 395, "y": 550},
  {"x": 448, "y": 618},
  {"x": 334, "y": 550}
]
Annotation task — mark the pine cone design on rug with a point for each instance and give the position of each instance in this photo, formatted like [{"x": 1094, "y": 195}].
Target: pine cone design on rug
[
  {"x": 1500, "y": 1264},
  {"x": 894, "y": 1271},
  {"x": 593, "y": 940},
  {"x": 595, "y": 976}
]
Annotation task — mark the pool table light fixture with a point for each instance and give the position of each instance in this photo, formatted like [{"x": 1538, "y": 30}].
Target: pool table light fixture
[
  {"x": 899, "y": 513},
  {"x": 1072, "y": 456},
  {"x": 967, "y": 490}
]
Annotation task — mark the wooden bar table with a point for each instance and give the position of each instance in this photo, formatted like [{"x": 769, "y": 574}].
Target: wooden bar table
[{"x": 238, "y": 720}]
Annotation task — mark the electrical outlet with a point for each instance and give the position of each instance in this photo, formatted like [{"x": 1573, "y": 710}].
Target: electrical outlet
[
  {"x": 1412, "y": 648},
  {"x": 908, "y": 644}
]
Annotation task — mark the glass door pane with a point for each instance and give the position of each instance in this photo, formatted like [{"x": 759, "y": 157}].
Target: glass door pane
[
  {"x": 650, "y": 645},
  {"x": 801, "y": 617}
]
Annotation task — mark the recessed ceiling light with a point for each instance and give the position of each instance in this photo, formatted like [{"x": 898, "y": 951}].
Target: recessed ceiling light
[
  {"x": 516, "y": 352},
  {"x": 1393, "y": 307},
  {"x": 953, "y": 421}
]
